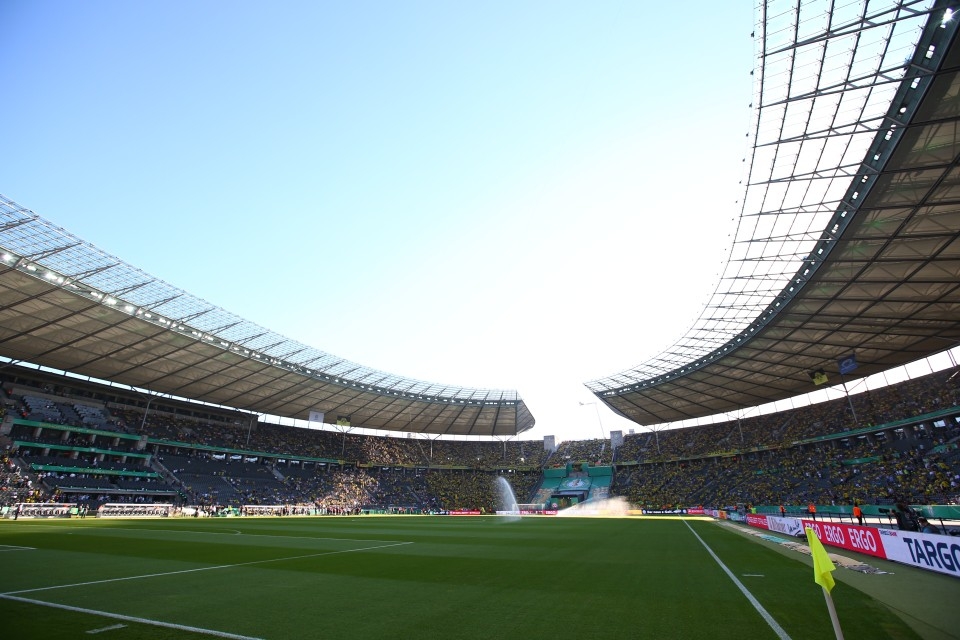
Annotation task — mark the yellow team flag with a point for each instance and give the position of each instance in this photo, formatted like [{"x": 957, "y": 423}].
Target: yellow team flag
[{"x": 822, "y": 565}]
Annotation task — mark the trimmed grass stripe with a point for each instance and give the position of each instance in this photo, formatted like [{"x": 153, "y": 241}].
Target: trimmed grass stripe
[
  {"x": 777, "y": 629},
  {"x": 116, "y": 616},
  {"x": 423, "y": 577}
]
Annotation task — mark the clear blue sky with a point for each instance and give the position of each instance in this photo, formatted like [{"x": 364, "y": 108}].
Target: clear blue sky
[{"x": 495, "y": 195}]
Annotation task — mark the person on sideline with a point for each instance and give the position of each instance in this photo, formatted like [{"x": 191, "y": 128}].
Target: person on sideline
[{"x": 927, "y": 527}]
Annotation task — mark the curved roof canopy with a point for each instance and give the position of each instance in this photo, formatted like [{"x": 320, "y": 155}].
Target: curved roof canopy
[
  {"x": 848, "y": 243},
  {"x": 67, "y": 305}
]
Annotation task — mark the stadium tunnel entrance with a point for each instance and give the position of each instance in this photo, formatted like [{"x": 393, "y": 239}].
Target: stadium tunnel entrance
[{"x": 573, "y": 484}]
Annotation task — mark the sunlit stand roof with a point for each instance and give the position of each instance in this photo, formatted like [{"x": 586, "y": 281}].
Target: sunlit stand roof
[
  {"x": 67, "y": 305},
  {"x": 847, "y": 243}
]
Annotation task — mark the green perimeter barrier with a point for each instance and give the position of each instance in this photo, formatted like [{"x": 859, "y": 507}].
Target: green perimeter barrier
[
  {"x": 69, "y": 447},
  {"x": 856, "y": 461},
  {"x": 71, "y": 429},
  {"x": 94, "y": 471}
]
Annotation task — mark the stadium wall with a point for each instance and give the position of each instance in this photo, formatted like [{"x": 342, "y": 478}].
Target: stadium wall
[{"x": 927, "y": 551}]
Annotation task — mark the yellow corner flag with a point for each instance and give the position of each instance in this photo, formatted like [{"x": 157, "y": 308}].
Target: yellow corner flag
[{"x": 822, "y": 565}]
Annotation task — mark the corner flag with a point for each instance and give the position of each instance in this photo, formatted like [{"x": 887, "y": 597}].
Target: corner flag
[
  {"x": 822, "y": 574},
  {"x": 822, "y": 565}
]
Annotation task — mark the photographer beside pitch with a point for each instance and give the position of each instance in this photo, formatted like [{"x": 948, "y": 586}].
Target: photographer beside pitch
[{"x": 907, "y": 518}]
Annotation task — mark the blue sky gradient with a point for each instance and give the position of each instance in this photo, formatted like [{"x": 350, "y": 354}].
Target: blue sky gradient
[{"x": 494, "y": 195}]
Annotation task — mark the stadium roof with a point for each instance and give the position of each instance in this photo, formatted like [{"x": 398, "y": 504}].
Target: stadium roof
[
  {"x": 67, "y": 305},
  {"x": 847, "y": 245}
]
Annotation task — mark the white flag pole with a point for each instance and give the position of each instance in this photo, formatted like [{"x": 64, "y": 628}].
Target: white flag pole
[{"x": 833, "y": 614}]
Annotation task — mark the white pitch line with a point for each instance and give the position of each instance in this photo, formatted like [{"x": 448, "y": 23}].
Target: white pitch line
[
  {"x": 13, "y": 547},
  {"x": 112, "y": 627},
  {"x": 233, "y": 532},
  {"x": 247, "y": 535},
  {"x": 777, "y": 629},
  {"x": 219, "y": 566},
  {"x": 270, "y": 535},
  {"x": 118, "y": 616}
]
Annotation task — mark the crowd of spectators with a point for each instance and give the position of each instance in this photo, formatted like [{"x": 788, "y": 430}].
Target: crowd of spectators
[
  {"x": 596, "y": 452},
  {"x": 812, "y": 454},
  {"x": 338, "y": 488},
  {"x": 897, "y": 402},
  {"x": 16, "y": 486},
  {"x": 866, "y": 469},
  {"x": 331, "y": 445},
  {"x": 775, "y": 458},
  {"x": 47, "y": 437},
  {"x": 49, "y": 405}
]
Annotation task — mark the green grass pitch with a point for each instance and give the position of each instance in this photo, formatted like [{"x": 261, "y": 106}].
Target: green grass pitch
[{"x": 412, "y": 577}]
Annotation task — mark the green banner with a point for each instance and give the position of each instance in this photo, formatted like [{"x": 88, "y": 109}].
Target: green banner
[
  {"x": 575, "y": 484},
  {"x": 66, "y": 447},
  {"x": 90, "y": 471},
  {"x": 62, "y": 427}
]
